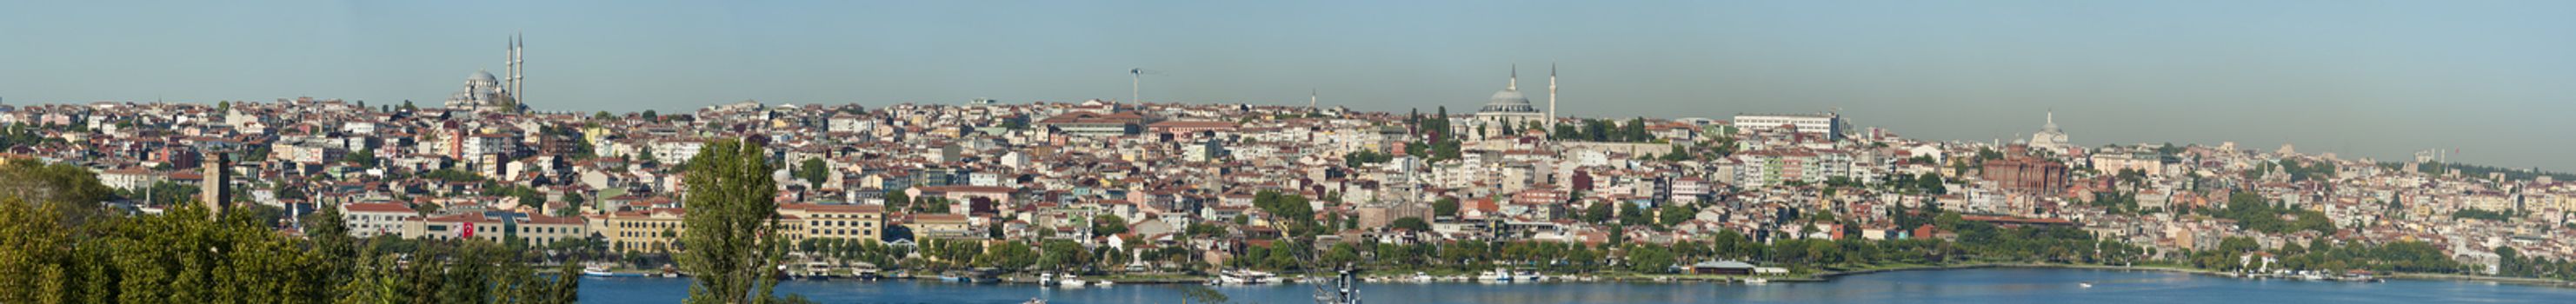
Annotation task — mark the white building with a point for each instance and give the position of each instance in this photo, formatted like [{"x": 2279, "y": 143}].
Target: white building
[
  {"x": 372, "y": 219},
  {"x": 1828, "y": 125},
  {"x": 2049, "y": 138},
  {"x": 673, "y": 151}
]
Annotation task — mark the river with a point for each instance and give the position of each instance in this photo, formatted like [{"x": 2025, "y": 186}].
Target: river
[{"x": 1980, "y": 286}]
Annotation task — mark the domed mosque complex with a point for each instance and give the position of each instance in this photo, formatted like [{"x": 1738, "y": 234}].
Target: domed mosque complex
[
  {"x": 1509, "y": 110},
  {"x": 486, "y": 93}
]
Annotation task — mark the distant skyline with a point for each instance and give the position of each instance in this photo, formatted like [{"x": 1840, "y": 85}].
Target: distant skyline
[{"x": 2358, "y": 78}]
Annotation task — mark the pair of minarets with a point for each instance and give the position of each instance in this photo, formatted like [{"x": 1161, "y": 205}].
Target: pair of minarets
[{"x": 515, "y": 65}]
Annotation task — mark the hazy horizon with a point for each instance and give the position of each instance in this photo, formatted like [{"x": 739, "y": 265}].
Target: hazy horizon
[{"x": 2357, "y": 78}]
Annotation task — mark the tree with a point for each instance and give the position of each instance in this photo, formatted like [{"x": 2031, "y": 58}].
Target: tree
[
  {"x": 1599, "y": 212},
  {"x": 815, "y": 171},
  {"x": 1410, "y": 223},
  {"x": 1108, "y": 224},
  {"x": 1446, "y": 206},
  {"x": 1674, "y": 215},
  {"x": 732, "y": 226},
  {"x": 650, "y": 115},
  {"x": 895, "y": 199},
  {"x": 1632, "y": 215},
  {"x": 363, "y": 158},
  {"x": 55, "y": 184},
  {"x": 1008, "y": 256},
  {"x": 1201, "y": 294},
  {"x": 407, "y": 107}
]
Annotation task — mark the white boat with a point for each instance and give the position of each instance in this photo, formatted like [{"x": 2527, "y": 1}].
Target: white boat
[
  {"x": 597, "y": 271},
  {"x": 1046, "y": 279},
  {"x": 1498, "y": 276},
  {"x": 1757, "y": 281},
  {"x": 1070, "y": 281},
  {"x": 2084, "y": 284},
  {"x": 1421, "y": 277},
  {"x": 1525, "y": 276},
  {"x": 1245, "y": 277}
]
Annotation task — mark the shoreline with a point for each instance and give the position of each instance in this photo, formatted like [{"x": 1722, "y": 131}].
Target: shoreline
[
  {"x": 1823, "y": 277},
  {"x": 1828, "y": 276}
]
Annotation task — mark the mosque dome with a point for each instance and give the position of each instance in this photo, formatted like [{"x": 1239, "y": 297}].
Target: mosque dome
[
  {"x": 1509, "y": 100},
  {"x": 482, "y": 77}
]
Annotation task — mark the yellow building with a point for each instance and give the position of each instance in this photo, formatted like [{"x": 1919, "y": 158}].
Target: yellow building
[
  {"x": 642, "y": 231},
  {"x": 848, "y": 222}
]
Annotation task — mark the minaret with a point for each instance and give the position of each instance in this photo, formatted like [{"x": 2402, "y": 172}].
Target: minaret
[
  {"x": 518, "y": 64},
  {"x": 214, "y": 193},
  {"x": 1551, "y": 99},
  {"x": 1515, "y": 86},
  {"x": 510, "y": 67},
  {"x": 1310, "y": 100}
]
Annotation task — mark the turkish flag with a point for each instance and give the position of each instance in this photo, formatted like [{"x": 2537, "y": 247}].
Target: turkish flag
[{"x": 467, "y": 232}]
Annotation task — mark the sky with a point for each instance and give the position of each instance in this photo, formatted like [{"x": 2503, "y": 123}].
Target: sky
[{"x": 2360, "y": 78}]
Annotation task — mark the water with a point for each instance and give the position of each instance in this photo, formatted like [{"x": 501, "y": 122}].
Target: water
[{"x": 1980, "y": 286}]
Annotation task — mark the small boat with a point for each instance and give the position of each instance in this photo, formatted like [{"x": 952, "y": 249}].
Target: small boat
[
  {"x": 1757, "y": 281},
  {"x": 1497, "y": 276},
  {"x": 1525, "y": 276},
  {"x": 1068, "y": 280},
  {"x": 2084, "y": 284},
  {"x": 1034, "y": 301},
  {"x": 597, "y": 271},
  {"x": 1419, "y": 277}
]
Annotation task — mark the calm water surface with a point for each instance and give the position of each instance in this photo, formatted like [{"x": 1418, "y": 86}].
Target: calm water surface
[{"x": 1980, "y": 286}]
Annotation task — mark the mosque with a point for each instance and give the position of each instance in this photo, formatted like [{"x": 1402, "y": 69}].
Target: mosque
[
  {"x": 486, "y": 93},
  {"x": 2049, "y": 137},
  {"x": 1509, "y": 110}
]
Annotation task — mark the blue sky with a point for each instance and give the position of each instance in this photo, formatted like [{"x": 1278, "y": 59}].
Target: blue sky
[{"x": 2364, "y": 78}]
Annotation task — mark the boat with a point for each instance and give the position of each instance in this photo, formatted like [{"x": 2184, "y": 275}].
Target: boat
[
  {"x": 1070, "y": 281},
  {"x": 1034, "y": 301},
  {"x": 1497, "y": 276},
  {"x": 1757, "y": 281},
  {"x": 1245, "y": 277},
  {"x": 1419, "y": 277},
  {"x": 597, "y": 271},
  {"x": 2084, "y": 284},
  {"x": 1525, "y": 276}
]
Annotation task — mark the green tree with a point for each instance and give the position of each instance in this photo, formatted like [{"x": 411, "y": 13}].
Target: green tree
[
  {"x": 1410, "y": 223},
  {"x": 1446, "y": 206},
  {"x": 1108, "y": 224},
  {"x": 814, "y": 171},
  {"x": 1598, "y": 212},
  {"x": 734, "y": 243},
  {"x": 363, "y": 158},
  {"x": 1674, "y": 215}
]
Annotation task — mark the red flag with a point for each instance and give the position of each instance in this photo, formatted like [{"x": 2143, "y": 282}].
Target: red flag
[{"x": 467, "y": 232}]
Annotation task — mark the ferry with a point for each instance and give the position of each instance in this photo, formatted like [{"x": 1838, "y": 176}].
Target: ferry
[
  {"x": 598, "y": 271},
  {"x": 1245, "y": 277},
  {"x": 1066, "y": 280}
]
